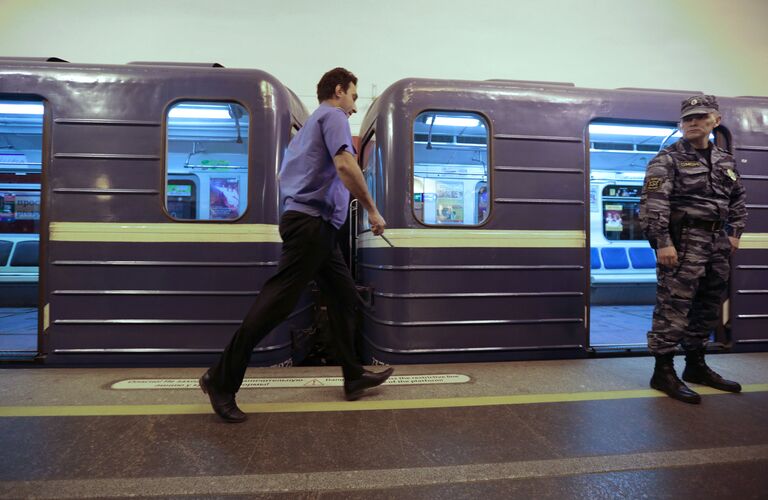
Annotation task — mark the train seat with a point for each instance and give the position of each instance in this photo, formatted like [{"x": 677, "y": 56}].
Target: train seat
[
  {"x": 5, "y": 251},
  {"x": 642, "y": 258},
  {"x": 594, "y": 258},
  {"x": 26, "y": 254},
  {"x": 615, "y": 257}
]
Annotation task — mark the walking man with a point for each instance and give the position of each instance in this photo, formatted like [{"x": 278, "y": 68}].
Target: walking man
[
  {"x": 317, "y": 174},
  {"x": 693, "y": 212}
]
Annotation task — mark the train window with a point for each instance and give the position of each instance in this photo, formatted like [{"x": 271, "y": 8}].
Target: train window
[
  {"x": 207, "y": 161},
  {"x": 619, "y": 154},
  {"x": 450, "y": 171}
]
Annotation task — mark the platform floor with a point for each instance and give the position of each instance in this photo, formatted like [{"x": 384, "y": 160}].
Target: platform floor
[
  {"x": 588, "y": 428},
  {"x": 18, "y": 329}
]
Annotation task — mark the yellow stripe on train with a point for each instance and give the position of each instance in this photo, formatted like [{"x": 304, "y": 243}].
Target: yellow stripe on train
[
  {"x": 474, "y": 238},
  {"x": 168, "y": 232},
  {"x": 754, "y": 240}
]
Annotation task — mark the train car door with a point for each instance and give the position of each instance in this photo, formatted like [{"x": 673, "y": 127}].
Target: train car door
[
  {"x": 21, "y": 159},
  {"x": 622, "y": 264}
]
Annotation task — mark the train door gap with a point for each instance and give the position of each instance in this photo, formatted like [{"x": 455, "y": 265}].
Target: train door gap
[
  {"x": 21, "y": 141},
  {"x": 622, "y": 264}
]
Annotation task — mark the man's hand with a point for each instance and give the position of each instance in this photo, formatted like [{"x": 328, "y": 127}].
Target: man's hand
[
  {"x": 377, "y": 222},
  {"x": 667, "y": 256},
  {"x": 734, "y": 243}
]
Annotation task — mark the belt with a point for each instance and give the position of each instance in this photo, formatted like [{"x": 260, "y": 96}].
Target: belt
[{"x": 709, "y": 225}]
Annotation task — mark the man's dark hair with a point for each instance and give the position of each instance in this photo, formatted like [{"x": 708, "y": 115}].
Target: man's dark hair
[{"x": 326, "y": 87}]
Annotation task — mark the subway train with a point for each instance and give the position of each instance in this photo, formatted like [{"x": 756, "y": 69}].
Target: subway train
[
  {"x": 151, "y": 191},
  {"x": 511, "y": 208}
]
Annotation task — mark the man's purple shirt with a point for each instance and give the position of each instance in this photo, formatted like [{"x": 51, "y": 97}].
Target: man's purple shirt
[{"x": 308, "y": 179}]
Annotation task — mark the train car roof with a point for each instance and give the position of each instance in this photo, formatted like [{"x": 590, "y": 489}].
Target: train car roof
[
  {"x": 402, "y": 92},
  {"x": 156, "y": 69}
]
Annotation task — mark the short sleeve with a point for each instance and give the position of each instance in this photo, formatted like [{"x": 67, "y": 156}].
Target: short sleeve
[{"x": 336, "y": 132}]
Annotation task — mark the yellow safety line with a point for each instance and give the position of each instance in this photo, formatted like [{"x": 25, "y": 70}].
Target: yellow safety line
[{"x": 372, "y": 404}]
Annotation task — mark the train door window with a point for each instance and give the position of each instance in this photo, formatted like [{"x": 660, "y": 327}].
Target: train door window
[
  {"x": 450, "y": 168},
  {"x": 207, "y": 161},
  {"x": 21, "y": 152}
]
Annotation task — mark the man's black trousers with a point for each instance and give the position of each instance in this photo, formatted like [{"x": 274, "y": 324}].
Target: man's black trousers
[{"x": 310, "y": 251}]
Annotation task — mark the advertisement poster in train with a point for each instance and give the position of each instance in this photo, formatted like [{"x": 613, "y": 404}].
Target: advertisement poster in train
[
  {"x": 7, "y": 207},
  {"x": 483, "y": 203},
  {"x": 450, "y": 202},
  {"x": 27, "y": 207},
  {"x": 418, "y": 205},
  {"x": 613, "y": 218},
  {"x": 224, "y": 198}
]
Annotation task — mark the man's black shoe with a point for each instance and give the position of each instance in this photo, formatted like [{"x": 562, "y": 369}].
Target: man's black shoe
[
  {"x": 223, "y": 403},
  {"x": 353, "y": 389},
  {"x": 665, "y": 380},
  {"x": 697, "y": 372}
]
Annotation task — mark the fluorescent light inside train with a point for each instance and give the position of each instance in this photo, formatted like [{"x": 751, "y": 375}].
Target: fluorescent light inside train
[
  {"x": 21, "y": 109},
  {"x": 625, "y": 130},
  {"x": 454, "y": 121},
  {"x": 200, "y": 112}
]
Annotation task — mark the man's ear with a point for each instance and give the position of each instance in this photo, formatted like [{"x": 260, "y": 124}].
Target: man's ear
[
  {"x": 339, "y": 90},
  {"x": 718, "y": 119}
]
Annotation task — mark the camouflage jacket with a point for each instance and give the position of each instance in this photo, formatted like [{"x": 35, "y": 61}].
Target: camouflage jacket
[{"x": 680, "y": 179}]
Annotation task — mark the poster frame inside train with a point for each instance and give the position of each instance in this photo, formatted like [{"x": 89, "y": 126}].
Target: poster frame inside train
[
  {"x": 158, "y": 206},
  {"x": 508, "y": 222}
]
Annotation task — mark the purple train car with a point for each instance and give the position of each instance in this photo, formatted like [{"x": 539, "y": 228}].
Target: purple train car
[
  {"x": 152, "y": 189},
  {"x": 512, "y": 211}
]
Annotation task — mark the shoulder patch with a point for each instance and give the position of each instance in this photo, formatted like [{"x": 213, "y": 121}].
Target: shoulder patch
[
  {"x": 689, "y": 164},
  {"x": 653, "y": 183}
]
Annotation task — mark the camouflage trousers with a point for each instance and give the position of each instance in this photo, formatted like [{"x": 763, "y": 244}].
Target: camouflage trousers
[{"x": 688, "y": 296}]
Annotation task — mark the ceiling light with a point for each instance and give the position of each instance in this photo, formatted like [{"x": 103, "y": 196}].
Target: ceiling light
[
  {"x": 454, "y": 121},
  {"x": 632, "y": 130},
  {"x": 217, "y": 112},
  {"x": 21, "y": 109}
]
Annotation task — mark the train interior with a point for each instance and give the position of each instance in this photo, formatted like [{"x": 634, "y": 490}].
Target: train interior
[
  {"x": 450, "y": 175},
  {"x": 21, "y": 144},
  {"x": 622, "y": 264},
  {"x": 207, "y": 161},
  {"x": 206, "y": 179}
]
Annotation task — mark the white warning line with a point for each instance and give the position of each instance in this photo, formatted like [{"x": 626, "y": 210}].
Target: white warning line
[{"x": 287, "y": 382}]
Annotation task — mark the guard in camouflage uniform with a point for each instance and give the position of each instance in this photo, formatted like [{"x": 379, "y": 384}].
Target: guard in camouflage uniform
[{"x": 693, "y": 212}]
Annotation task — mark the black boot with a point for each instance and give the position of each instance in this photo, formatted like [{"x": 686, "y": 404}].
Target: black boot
[
  {"x": 665, "y": 380},
  {"x": 697, "y": 371},
  {"x": 223, "y": 403}
]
